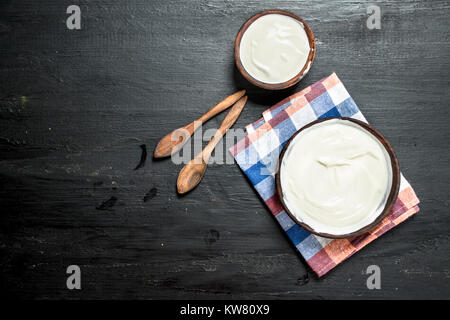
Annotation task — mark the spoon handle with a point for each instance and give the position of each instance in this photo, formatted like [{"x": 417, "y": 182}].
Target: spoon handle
[
  {"x": 226, "y": 124},
  {"x": 176, "y": 139}
]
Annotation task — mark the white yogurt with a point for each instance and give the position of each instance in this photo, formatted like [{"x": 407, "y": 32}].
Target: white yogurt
[
  {"x": 274, "y": 48},
  {"x": 335, "y": 177}
]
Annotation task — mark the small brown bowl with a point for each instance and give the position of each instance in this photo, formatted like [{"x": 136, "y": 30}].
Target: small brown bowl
[
  {"x": 290, "y": 82},
  {"x": 392, "y": 195}
]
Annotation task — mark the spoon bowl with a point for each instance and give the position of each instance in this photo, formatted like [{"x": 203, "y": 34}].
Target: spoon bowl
[{"x": 191, "y": 175}]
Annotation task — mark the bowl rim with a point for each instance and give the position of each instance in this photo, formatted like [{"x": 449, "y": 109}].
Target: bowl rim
[
  {"x": 393, "y": 192},
  {"x": 282, "y": 85}
]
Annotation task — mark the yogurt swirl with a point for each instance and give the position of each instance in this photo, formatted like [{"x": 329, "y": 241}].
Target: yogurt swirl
[{"x": 335, "y": 177}]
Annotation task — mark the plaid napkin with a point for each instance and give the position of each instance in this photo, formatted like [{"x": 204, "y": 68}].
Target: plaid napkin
[{"x": 257, "y": 155}]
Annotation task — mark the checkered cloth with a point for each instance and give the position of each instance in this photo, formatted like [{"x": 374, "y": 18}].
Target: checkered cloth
[{"x": 257, "y": 155}]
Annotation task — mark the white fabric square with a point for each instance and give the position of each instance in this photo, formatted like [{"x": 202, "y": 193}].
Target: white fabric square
[
  {"x": 338, "y": 93},
  {"x": 303, "y": 116}
]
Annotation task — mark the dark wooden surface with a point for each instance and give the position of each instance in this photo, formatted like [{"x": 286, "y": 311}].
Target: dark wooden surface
[{"x": 75, "y": 107}]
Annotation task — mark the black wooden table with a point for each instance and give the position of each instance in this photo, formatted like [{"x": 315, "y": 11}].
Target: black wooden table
[{"x": 76, "y": 106}]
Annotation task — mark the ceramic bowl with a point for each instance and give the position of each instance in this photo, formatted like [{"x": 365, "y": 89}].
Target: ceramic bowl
[
  {"x": 290, "y": 82},
  {"x": 390, "y": 195}
]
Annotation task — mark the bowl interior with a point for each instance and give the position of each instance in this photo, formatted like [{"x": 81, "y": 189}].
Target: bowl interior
[
  {"x": 376, "y": 216},
  {"x": 293, "y": 80}
]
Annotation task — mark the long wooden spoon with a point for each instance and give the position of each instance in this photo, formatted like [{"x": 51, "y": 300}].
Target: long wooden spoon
[
  {"x": 175, "y": 140},
  {"x": 192, "y": 173}
]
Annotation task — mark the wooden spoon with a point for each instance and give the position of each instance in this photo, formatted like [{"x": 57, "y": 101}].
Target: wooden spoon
[
  {"x": 193, "y": 171},
  {"x": 175, "y": 140}
]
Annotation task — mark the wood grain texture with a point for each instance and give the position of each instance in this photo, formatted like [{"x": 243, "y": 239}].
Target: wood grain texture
[{"x": 76, "y": 106}]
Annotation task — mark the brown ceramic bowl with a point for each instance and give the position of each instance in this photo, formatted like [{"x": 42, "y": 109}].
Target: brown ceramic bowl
[
  {"x": 290, "y": 82},
  {"x": 391, "y": 195}
]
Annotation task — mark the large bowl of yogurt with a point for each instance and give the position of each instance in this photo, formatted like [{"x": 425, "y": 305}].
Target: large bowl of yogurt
[
  {"x": 338, "y": 177},
  {"x": 274, "y": 49}
]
